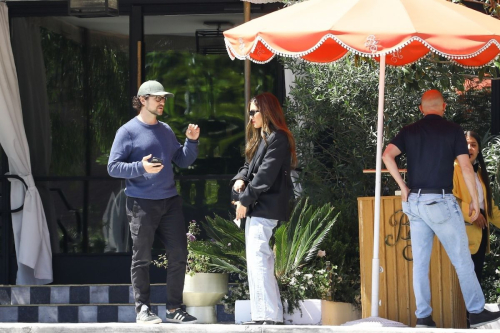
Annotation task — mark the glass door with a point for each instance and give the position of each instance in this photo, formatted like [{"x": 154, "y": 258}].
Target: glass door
[{"x": 186, "y": 53}]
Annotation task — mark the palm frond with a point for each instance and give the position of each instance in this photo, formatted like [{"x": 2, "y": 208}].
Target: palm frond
[
  {"x": 225, "y": 266},
  {"x": 313, "y": 228},
  {"x": 281, "y": 251},
  {"x": 223, "y": 230},
  {"x": 320, "y": 238},
  {"x": 297, "y": 242}
]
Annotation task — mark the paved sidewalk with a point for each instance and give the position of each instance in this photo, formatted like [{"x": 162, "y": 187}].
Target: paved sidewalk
[{"x": 216, "y": 328}]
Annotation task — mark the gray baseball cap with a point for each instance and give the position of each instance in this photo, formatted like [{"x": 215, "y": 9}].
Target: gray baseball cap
[{"x": 153, "y": 87}]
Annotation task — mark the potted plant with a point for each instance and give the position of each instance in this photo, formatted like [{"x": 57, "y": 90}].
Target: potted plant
[
  {"x": 301, "y": 269},
  {"x": 308, "y": 282},
  {"x": 336, "y": 309},
  {"x": 205, "y": 284},
  {"x": 302, "y": 275}
]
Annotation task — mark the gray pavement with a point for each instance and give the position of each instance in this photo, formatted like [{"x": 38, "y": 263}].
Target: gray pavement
[{"x": 216, "y": 328}]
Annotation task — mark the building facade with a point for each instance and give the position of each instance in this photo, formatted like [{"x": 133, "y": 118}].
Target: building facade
[{"x": 77, "y": 76}]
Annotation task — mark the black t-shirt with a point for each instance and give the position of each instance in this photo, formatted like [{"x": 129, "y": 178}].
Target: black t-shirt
[{"x": 431, "y": 146}]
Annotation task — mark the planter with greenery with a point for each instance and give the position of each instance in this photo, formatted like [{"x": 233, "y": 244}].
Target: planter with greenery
[
  {"x": 300, "y": 267},
  {"x": 331, "y": 111},
  {"x": 204, "y": 285}
]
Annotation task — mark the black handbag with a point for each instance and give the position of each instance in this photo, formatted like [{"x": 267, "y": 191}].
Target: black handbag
[{"x": 235, "y": 196}]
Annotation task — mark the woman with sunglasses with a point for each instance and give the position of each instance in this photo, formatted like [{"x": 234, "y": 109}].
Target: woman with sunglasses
[
  {"x": 265, "y": 189},
  {"x": 478, "y": 230}
]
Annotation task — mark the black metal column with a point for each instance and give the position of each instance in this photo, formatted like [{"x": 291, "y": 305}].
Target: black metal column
[
  {"x": 495, "y": 107},
  {"x": 6, "y": 222},
  {"x": 87, "y": 98},
  {"x": 136, "y": 52}
]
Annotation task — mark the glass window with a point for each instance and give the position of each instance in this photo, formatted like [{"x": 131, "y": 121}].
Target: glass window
[
  {"x": 73, "y": 78},
  {"x": 73, "y": 75},
  {"x": 209, "y": 91}
]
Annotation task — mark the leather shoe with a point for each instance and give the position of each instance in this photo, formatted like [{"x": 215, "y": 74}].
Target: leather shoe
[
  {"x": 425, "y": 322},
  {"x": 482, "y": 318}
]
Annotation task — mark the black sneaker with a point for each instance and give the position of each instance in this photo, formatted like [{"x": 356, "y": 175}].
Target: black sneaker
[
  {"x": 261, "y": 322},
  {"x": 425, "y": 322},
  {"x": 180, "y": 316},
  {"x": 147, "y": 317},
  {"x": 482, "y": 318}
]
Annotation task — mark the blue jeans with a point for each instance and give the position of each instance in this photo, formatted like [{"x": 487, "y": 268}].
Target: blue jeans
[
  {"x": 439, "y": 214},
  {"x": 265, "y": 302}
]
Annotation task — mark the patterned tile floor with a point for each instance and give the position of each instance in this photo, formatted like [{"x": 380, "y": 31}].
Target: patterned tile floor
[{"x": 79, "y": 304}]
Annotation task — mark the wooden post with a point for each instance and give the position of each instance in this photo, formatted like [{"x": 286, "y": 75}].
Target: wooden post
[
  {"x": 136, "y": 49},
  {"x": 396, "y": 299}
]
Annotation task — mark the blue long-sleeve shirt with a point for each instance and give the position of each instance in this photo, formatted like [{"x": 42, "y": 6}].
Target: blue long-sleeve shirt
[{"x": 133, "y": 141}]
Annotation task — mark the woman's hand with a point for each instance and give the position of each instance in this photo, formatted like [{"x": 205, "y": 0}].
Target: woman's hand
[
  {"x": 481, "y": 221},
  {"x": 241, "y": 211},
  {"x": 239, "y": 186}
]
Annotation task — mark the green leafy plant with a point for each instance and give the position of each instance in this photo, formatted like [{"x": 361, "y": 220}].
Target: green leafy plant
[
  {"x": 332, "y": 113},
  {"x": 296, "y": 245},
  {"x": 238, "y": 291},
  {"x": 491, "y": 271},
  {"x": 226, "y": 247},
  {"x": 311, "y": 281},
  {"x": 196, "y": 262},
  {"x": 299, "y": 271}
]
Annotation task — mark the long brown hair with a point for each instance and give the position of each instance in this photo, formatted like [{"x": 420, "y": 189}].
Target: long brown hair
[
  {"x": 484, "y": 173},
  {"x": 273, "y": 119}
]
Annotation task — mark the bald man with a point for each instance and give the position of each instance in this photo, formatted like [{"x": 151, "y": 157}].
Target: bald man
[{"x": 431, "y": 145}]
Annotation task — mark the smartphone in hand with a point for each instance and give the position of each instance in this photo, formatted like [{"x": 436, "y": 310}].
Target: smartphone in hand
[{"x": 156, "y": 160}]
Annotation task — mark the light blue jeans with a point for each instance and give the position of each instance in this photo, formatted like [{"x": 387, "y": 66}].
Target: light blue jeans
[
  {"x": 265, "y": 302},
  {"x": 440, "y": 215}
]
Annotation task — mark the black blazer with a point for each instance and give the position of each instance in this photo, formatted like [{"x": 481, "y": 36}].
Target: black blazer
[{"x": 268, "y": 193}]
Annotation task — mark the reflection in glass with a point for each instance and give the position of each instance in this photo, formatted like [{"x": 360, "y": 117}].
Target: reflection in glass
[
  {"x": 67, "y": 207},
  {"x": 74, "y": 81},
  {"x": 86, "y": 98},
  {"x": 208, "y": 91},
  {"x": 108, "y": 224}
]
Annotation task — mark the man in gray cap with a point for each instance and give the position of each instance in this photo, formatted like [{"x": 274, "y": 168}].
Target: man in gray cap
[{"x": 142, "y": 153}]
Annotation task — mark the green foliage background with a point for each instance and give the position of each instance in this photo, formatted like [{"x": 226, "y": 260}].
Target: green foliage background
[{"x": 332, "y": 111}]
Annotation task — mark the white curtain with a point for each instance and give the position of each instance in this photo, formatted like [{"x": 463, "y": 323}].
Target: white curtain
[
  {"x": 26, "y": 45},
  {"x": 31, "y": 235}
]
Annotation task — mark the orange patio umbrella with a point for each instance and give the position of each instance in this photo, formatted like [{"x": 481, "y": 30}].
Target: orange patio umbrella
[
  {"x": 393, "y": 32},
  {"x": 323, "y": 31}
]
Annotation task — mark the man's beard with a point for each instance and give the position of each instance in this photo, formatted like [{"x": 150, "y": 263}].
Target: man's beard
[{"x": 154, "y": 112}]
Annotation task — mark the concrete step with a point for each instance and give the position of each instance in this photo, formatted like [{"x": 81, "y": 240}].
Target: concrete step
[{"x": 216, "y": 328}]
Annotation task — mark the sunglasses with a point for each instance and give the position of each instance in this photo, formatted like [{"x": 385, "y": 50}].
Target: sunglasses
[
  {"x": 252, "y": 113},
  {"x": 158, "y": 98}
]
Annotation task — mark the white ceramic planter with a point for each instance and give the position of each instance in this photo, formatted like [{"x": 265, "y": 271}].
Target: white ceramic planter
[
  {"x": 202, "y": 292},
  {"x": 314, "y": 312}
]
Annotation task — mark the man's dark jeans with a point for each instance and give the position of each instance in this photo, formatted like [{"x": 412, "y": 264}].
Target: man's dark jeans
[{"x": 164, "y": 217}]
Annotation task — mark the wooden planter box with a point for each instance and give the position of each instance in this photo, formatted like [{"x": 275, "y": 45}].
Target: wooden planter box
[{"x": 396, "y": 298}]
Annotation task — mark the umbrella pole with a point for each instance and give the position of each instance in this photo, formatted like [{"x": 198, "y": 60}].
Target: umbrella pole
[{"x": 378, "y": 185}]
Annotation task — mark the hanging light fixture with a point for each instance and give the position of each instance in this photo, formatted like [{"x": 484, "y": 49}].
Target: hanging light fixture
[
  {"x": 93, "y": 8},
  {"x": 211, "y": 41}
]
